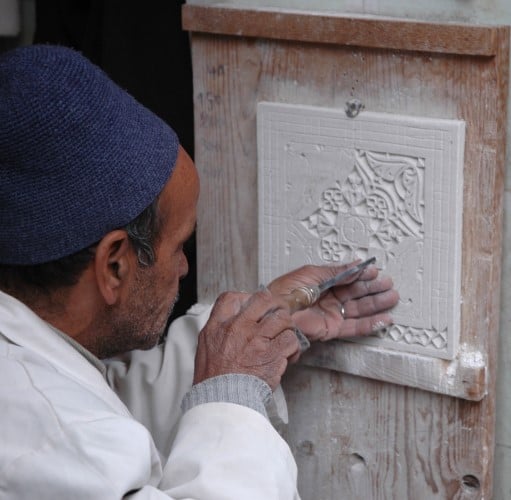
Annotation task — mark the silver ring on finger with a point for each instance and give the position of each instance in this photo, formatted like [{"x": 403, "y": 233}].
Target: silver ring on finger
[{"x": 341, "y": 309}]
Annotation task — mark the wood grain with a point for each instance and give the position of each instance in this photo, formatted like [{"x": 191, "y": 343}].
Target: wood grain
[
  {"x": 359, "y": 439},
  {"x": 465, "y": 377},
  {"x": 359, "y": 31},
  {"x": 355, "y": 437}
]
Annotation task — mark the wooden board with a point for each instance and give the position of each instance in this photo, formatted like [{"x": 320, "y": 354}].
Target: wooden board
[
  {"x": 364, "y": 438},
  {"x": 360, "y": 31}
]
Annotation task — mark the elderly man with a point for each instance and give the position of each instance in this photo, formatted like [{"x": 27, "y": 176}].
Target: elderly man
[{"x": 96, "y": 200}]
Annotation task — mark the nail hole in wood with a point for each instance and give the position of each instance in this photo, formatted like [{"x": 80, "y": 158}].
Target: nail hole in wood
[
  {"x": 306, "y": 448},
  {"x": 357, "y": 462},
  {"x": 470, "y": 482}
]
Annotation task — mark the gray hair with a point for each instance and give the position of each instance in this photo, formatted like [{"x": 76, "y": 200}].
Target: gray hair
[{"x": 143, "y": 232}]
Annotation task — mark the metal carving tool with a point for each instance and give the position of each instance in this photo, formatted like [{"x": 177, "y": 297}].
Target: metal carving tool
[{"x": 305, "y": 296}]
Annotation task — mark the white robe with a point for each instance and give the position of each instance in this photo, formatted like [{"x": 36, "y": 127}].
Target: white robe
[{"x": 65, "y": 434}]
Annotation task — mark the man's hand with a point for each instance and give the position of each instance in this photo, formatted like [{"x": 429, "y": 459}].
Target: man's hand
[
  {"x": 254, "y": 334},
  {"x": 365, "y": 299},
  {"x": 249, "y": 334}
]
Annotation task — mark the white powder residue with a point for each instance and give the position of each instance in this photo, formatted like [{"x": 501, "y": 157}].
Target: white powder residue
[{"x": 471, "y": 358}]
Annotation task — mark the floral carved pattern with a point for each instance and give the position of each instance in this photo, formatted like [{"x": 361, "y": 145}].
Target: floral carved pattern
[
  {"x": 377, "y": 210},
  {"x": 332, "y": 189}
]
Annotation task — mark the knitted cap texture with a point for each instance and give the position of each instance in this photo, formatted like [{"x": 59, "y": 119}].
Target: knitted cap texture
[{"x": 79, "y": 156}]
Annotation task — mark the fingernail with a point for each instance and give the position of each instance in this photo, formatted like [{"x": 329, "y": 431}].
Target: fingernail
[{"x": 379, "y": 325}]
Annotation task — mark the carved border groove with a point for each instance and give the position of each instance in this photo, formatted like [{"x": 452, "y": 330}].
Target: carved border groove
[{"x": 333, "y": 189}]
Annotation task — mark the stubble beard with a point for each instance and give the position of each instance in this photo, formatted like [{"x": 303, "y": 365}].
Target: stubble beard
[{"x": 135, "y": 327}]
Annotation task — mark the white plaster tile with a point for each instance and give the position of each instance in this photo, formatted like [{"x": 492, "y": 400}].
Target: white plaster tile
[{"x": 332, "y": 189}]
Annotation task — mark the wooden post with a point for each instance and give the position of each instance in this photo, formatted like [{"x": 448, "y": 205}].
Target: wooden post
[{"x": 353, "y": 436}]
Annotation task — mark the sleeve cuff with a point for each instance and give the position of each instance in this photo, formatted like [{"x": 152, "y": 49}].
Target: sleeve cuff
[{"x": 241, "y": 389}]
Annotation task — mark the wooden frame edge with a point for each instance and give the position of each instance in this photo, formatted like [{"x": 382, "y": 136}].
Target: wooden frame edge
[
  {"x": 464, "y": 377},
  {"x": 359, "y": 31}
]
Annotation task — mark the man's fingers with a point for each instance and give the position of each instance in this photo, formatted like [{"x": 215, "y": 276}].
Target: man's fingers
[
  {"x": 253, "y": 307},
  {"x": 270, "y": 358},
  {"x": 247, "y": 333},
  {"x": 369, "y": 273},
  {"x": 363, "y": 287},
  {"x": 227, "y": 305},
  {"x": 287, "y": 343},
  {"x": 274, "y": 324},
  {"x": 361, "y": 326},
  {"x": 314, "y": 275},
  {"x": 288, "y": 347},
  {"x": 261, "y": 305},
  {"x": 370, "y": 304}
]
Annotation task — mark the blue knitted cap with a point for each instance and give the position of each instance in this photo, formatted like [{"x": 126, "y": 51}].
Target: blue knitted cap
[{"x": 78, "y": 155}]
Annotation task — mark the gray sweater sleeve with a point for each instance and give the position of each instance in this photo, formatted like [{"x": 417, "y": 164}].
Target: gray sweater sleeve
[{"x": 245, "y": 390}]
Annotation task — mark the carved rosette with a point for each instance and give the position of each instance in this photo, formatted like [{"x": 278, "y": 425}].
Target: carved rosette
[
  {"x": 376, "y": 210},
  {"x": 334, "y": 189}
]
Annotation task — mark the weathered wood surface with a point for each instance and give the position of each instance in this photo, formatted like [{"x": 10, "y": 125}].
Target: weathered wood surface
[
  {"x": 360, "y": 31},
  {"x": 356, "y": 438},
  {"x": 464, "y": 377}
]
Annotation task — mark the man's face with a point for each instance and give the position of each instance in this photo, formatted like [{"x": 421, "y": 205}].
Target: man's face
[{"x": 153, "y": 291}]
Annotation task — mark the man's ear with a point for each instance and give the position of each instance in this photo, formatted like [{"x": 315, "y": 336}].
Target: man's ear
[{"x": 113, "y": 264}]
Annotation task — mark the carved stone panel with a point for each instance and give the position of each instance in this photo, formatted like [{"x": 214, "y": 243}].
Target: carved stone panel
[{"x": 334, "y": 188}]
